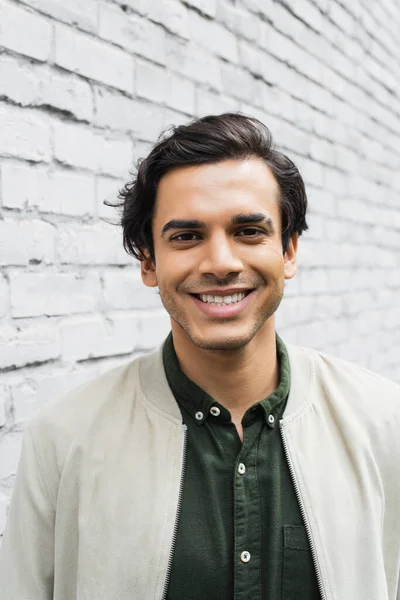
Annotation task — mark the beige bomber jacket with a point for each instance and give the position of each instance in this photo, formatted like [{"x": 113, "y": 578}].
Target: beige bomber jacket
[{"x": 95, "y": 501}]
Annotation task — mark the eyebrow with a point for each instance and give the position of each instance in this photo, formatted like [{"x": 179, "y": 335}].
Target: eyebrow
[{"x": 240, "y": 219}]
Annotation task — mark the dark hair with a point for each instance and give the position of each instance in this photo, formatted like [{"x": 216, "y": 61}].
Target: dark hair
[{"x": 210, "y": 139}]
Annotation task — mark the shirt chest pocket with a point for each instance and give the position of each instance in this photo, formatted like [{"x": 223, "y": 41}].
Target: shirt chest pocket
[{"x": 299, "y": 581}]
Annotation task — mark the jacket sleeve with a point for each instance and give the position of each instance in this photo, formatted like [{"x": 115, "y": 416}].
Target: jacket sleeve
[{"x": 27, "y": 550}]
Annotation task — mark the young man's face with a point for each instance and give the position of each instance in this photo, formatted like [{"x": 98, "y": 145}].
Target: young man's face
[{"x": 220, "y": 255}]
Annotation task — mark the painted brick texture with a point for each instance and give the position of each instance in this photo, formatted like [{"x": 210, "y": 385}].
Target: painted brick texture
[{"x": 85, "y": 89}]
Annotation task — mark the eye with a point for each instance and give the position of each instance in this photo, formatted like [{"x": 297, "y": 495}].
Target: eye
[
  {"x": 180, "y": 235},
  {"x": 254, "y": 229}
]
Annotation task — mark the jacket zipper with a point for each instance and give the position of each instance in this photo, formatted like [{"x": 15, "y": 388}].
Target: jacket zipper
[
  {"x": 178, "y": 514},
  {"x": 303, "y": 514}
]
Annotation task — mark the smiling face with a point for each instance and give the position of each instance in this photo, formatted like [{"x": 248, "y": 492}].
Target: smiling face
[{"x": 233, "y": 241}]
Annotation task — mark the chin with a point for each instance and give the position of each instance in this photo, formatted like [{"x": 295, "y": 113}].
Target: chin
[{"x": 222, "y": 342}]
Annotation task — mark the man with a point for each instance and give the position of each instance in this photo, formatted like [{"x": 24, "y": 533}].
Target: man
[{"x": 225, "y": 464}]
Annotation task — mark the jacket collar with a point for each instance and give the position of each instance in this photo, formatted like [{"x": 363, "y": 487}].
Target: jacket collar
[
  {"x": 303, "y": 381},
  {"x": 157, "y": 393}
]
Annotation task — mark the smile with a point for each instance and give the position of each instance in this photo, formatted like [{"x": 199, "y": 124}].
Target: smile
[
  {"x": 222, "y": 306},
  {"x": 222, "y": 300}
]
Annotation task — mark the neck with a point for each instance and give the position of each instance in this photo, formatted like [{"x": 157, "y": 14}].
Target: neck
[{"x": 237, "y": 379}]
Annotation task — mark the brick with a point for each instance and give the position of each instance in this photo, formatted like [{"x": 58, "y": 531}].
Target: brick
[
  {"x": 3, "y": 401},
  {"x": 342, "y": 18},
  {"x": 68, "y": 93},
  {"x": 252, "y": 58},
  {"x": 356, "y": 302},
  {"x": 91, "y": 149},
  {"x": 21, "y": 185},
  {"x": 3, "y": 296},
  {"x": 193, "y": 62},
  {"x": 142, "y": 119},
  {"x": 313, "y": 174},
  {"x": 24, "y": 134},
  {"x": 208, "y": 7},
  {"x": 51, "y": 191},
  {"x": 53, "y": 384},
  {"x": 151, "y": 81},
  {"x": 133, "y": 32},
  {"x": 4, "y": 504},
  {"x": 99, "y": 244},
  {"x": 22, "y": 242},
  {"x": 295, "y": 310},
  {"x": 107, "y": 189},
  {"x": 173, "y": 118},
  {"x": 172, "y": 14},
  {"x": 125, "y": 290},
  {"x": 69, "y": 193},
  {"x": 10, "y": 451},
  {"x": 328, "y": 307},
  {"x": 38, "y": 85},
  {"x": 239, "y": 20},
  {"x": 95, "y": 336},
  {"x": 213, "y": 36},
  {"x": 264, "y": 7},
  {"x": 308, "y": 12},
  {"x": 294, "y": 140},
  {"x": 208, "y": 102},
  {"x": 24, "y": 32},
  {"x": 237, "y": 83},
  {"x": 322, "y": 151},
  {"x": 32, "y": 343},
  {"x": 73, "y": 12},
  {"x": 180, "y": 94},
  {"x": 288, "y": 24},
  {"x": 140, "y": 150},
  {"x": 93, "y": 59},
  {"x": 51, "y": 294},
  {"x": 153, "y": 329},
  {"x": 20, "y": 81},
  {"x": 355, "y": 210},
  {"x": 25, "y": 402}
]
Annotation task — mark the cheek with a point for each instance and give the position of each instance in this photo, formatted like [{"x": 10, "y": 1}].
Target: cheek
[{"x": 169, "y": 274}]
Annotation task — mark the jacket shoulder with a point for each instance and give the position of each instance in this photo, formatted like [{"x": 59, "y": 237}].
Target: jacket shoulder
[
  {"x": 355, "y": 383},
  {"x": 73, "y": 414}
]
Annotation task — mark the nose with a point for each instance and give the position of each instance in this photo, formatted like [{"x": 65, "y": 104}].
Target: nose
[{"x": 220, "y": 257}]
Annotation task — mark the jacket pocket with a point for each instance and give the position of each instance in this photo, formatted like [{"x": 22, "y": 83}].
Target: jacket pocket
[{"x": 299, "y": 581}]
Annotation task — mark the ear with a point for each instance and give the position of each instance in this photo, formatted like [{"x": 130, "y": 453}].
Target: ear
[
  {"x": 290, "y": 265},
  {"x": 148, "y": 269}
]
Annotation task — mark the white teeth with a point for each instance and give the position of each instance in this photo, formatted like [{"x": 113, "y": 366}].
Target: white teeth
[{"x": 222, "y": 299}]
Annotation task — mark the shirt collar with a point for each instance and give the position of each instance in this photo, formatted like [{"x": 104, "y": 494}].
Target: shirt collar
[{"x": 199, "y": 403}]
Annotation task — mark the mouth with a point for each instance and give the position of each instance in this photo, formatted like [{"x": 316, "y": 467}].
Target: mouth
[
  {"x": 221, "y": 310},
  {"x": 222, "y": 300}
]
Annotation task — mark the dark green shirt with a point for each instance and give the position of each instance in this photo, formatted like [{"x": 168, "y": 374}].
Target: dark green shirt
[{"x": 240, "y": 533}]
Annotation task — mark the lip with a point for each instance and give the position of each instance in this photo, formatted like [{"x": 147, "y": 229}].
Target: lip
[
  {"x": 227, "y": 291},
  {"x": 229, "y": 310}
]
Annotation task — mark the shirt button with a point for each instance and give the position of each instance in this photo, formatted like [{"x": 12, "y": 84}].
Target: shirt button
[
  {"x": 215, "y": 411},
  {"x": 271, "y": 419},
  {"x": 241, "y": 469},
  {"x": 245, "y": 556},
  {"x": 199, "y": 415}
]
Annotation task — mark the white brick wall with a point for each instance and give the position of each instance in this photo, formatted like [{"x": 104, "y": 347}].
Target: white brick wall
[{"x": 85, "y": 89}]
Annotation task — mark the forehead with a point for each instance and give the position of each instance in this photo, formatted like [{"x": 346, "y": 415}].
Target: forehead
[{"x": 217, "y": 189}]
